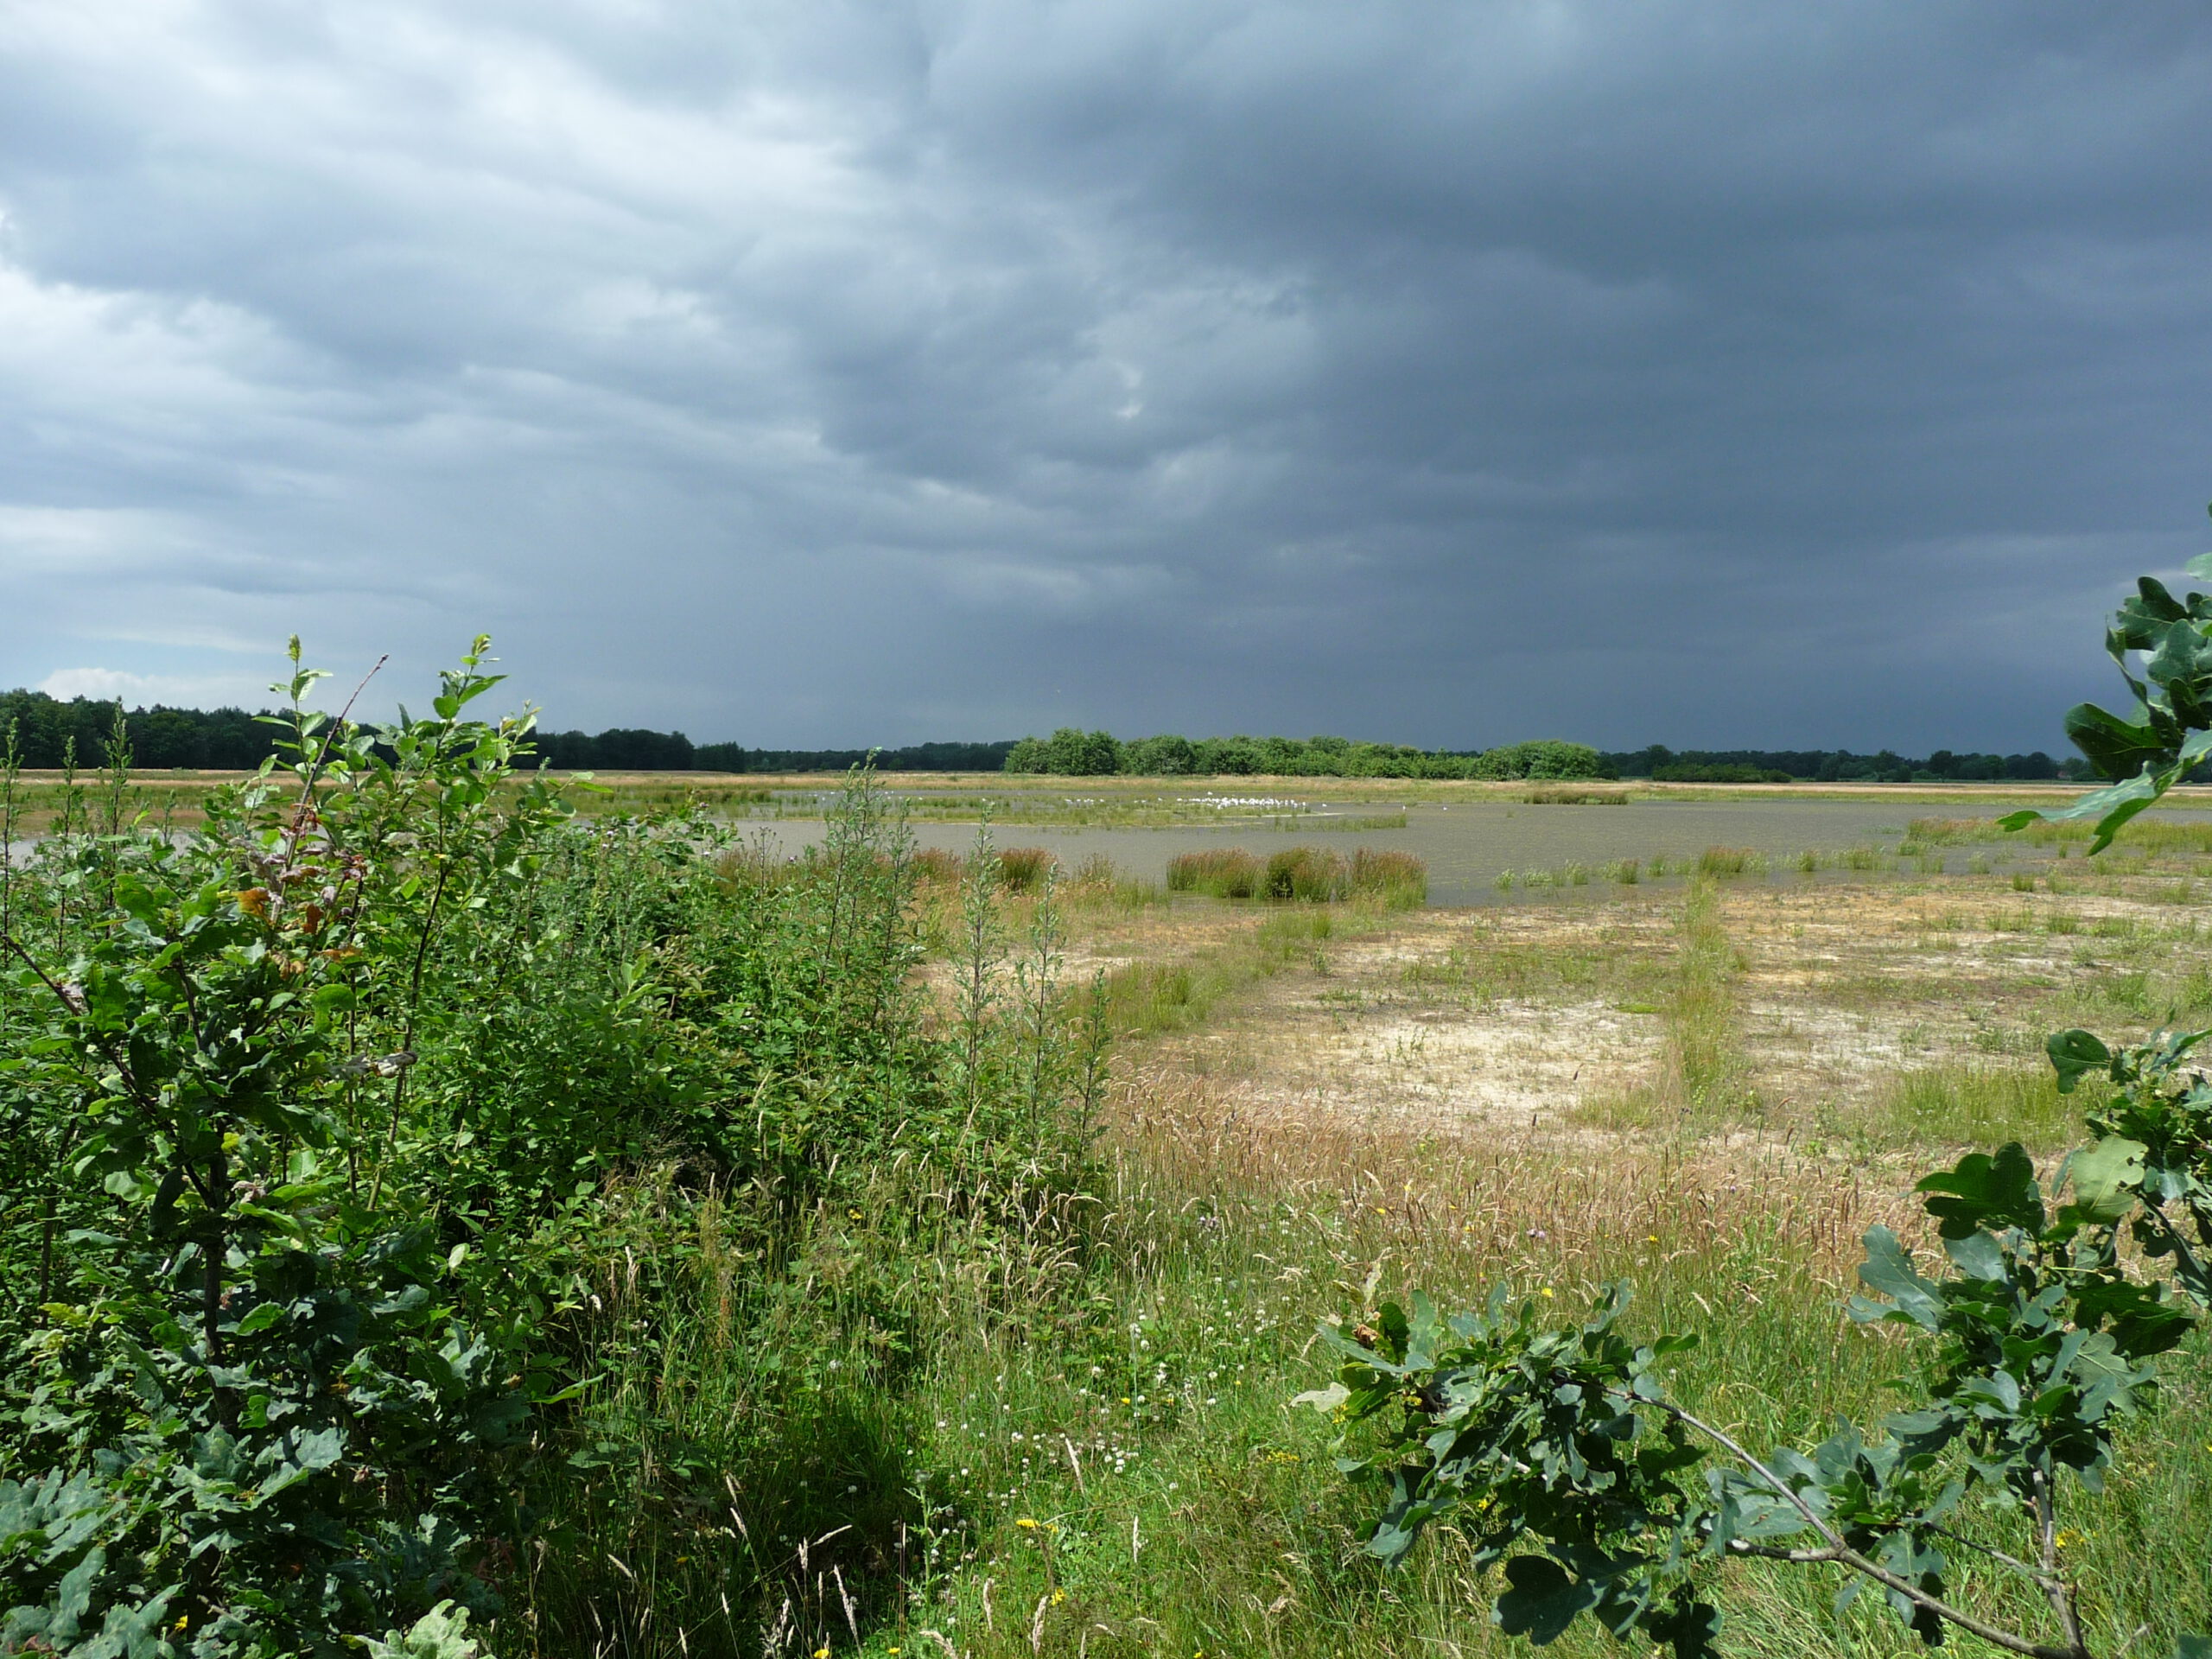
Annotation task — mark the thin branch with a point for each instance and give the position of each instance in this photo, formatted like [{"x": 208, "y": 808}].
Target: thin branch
[
  {"x": 2055, "y": 1589},
  {"x": 120, "y": 1066},
  {"x": 337, "y": 725},
  {"x": 1842, "y": 1553},
  {"x": 2025, "y": 1568}
]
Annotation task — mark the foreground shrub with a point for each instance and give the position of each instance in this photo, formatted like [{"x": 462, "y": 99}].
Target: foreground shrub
[{"x": 361, "y": 1148}]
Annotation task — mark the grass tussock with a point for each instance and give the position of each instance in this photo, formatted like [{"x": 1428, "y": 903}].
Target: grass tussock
[
  {"x": 1022, "y": 869},
  {"x": 935, "y": 867},
  {"x": 1379, "y": 877},
  {"x": 1153, "y": 1498},
  {"x": 1216, "y": 872},
  {"x": 1149, "y": 998},
  {"x": 1730, "y": 861},
  {"x": 1702, "y": 1078}
]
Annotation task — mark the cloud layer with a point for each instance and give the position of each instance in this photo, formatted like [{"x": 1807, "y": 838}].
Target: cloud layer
[{"x": 834, "y": 373}]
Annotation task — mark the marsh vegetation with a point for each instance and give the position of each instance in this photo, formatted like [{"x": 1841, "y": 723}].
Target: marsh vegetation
[{"x": 652, "y": 1236}]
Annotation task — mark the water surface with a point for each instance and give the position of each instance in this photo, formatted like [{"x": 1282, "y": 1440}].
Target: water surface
[{"x": 1467, "y": 844}]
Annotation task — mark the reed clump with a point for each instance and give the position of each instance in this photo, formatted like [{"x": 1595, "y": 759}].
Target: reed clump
[
  {"x": 1022, "y": 869},
  {"x": 1313, "y": 873},
  {"x": 1395, "y": 880},
  {"x": 1216, "y": 872},
  {"x": 1303, "y": 874}
]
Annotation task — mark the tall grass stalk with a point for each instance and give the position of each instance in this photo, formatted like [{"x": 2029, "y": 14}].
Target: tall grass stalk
[{"x": 983, "y": 949}]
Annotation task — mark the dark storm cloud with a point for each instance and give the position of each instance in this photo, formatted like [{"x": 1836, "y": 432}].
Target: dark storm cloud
[{"x": 821, "y": 372}]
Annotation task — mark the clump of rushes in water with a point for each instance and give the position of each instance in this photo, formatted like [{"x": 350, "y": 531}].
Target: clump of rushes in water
[
  {"x": 1307, "y": 875},
  {"x": 1219, "y": 872},
  {"x": 1021, "y": 869},
  {"x": 1724, "y": 861},
  {"x": 1625, "y": 871},
  {"x": 1397, "y": 879},
  {"x": 1313, "y": 874}
]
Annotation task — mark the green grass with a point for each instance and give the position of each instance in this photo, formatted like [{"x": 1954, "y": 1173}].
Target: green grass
[
  {"x": 1983, "y": 1106},
  {"x": 1073, "y": 1438},
  {"x": 1149, "y": 997},
  {"x": 1138, "y": 1485}
]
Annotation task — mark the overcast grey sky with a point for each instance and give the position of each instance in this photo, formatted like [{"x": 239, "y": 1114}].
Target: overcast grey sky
[{"x": 804, "y": 372}]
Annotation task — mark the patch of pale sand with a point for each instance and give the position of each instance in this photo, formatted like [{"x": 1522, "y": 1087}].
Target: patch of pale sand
[
  {"x": 1518, "y": 1063},
  {"x": 1800, "y": 1053},
  {"x": 1842, "y": 987},
  {"x": 1514, "y": 1061}
]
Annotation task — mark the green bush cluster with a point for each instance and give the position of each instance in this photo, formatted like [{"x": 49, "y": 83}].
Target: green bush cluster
[
  {"x": 1072, "y": 754},
  {"x": 360, "y": 1151}
]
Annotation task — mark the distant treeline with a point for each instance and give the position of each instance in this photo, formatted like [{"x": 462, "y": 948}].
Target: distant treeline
[
  {"x": 915, "y": 757},
  {"x": 1664, "y": 764},
  {"x": 1071, "y": 754},
  {"x": 233, "y": 740},
  {"x": 47, "y": 729},
  {"x": 626, "y": 750}
]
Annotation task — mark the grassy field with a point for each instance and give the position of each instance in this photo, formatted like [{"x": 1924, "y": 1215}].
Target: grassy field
[
  {"x": 1711, "y": 1092},
  {"x": 977, "y": 1407}
]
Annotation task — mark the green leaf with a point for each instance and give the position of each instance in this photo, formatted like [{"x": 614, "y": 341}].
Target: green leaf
[
  {"x": 2076, "y": 1053},
  {"x": 1888, "y": 1271},
  {"x": 1982, "y": 1190},
  {"x": 1687, "y": 1625},
  {"x": 1543, "y": 1599},
  {"x": 1978, "y": 1256},
  {"x": 261, "y": 1318},
  {"x": 74, "y": 1597},
  {"x": 322, "y": 1448},
  {"x": 2116, "y": 747},
  {"x": 2106, "y": 1178}
]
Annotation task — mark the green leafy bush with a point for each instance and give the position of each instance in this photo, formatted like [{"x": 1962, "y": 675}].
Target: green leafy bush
[{"x": 358, "y": 1144}]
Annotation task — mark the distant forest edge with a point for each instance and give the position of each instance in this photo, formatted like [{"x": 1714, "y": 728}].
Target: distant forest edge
[
  {"x": 163, "y": 738},
  {"x": 1069, "y": 753},
  {"x": 232, "y": 740}
]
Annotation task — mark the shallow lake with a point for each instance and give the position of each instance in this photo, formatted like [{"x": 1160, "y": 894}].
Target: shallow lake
[{"x": 1467, "y": 844}]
